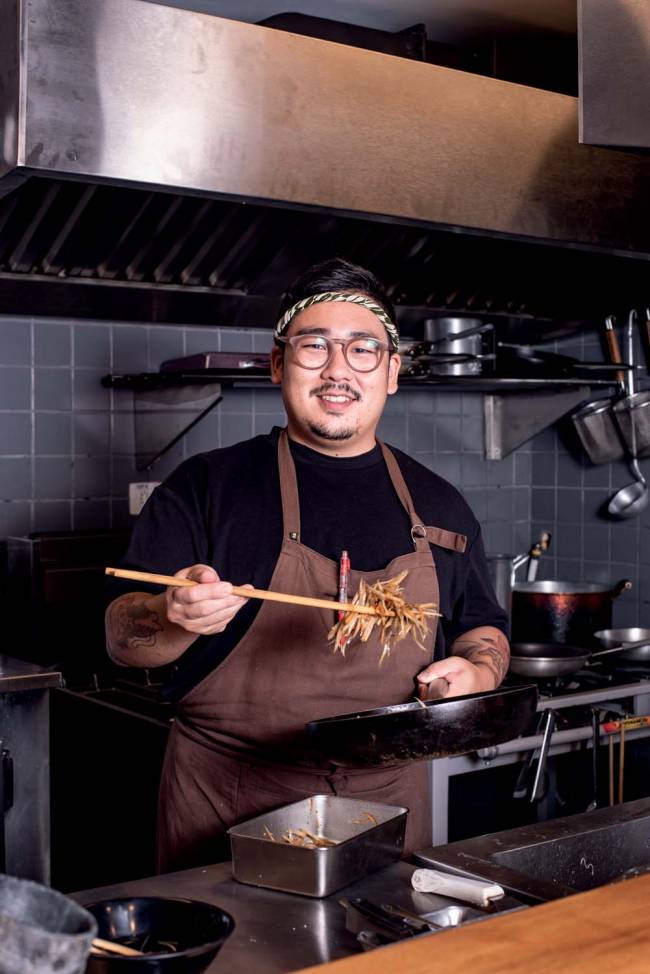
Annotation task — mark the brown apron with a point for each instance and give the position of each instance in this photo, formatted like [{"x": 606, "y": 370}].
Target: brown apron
[{"x": 238, "y": 746}]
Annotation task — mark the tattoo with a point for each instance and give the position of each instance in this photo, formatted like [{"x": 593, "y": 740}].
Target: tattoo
[
  {"x": 132, "y": 625},
  {"x": 490, "y": 651}
]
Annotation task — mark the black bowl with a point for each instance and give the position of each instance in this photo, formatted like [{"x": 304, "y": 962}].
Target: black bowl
[{"x": 173, "y": 934}]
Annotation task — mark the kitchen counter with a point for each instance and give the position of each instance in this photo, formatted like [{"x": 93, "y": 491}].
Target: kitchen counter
[
  {"x": 17, "y": 675},
  {"x": 275, "y": 932},
  {"x": 604, "y": 929}
]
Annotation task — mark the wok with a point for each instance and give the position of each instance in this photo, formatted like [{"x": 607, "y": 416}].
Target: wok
[
  {"x": 427, "y": 730},
  {"x": 542, "y": 660}
]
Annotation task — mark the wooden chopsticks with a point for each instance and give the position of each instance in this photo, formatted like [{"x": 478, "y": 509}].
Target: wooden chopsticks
[
  {"x": 248, "y": 593},
  {"x": 111, "y": 947}
]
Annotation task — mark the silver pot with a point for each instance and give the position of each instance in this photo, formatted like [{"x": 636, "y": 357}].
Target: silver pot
[
  {"x": 442, "y": 331},
  {"x": 562, "y": 612}
]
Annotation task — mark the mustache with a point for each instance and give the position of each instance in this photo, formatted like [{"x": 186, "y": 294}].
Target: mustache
[{"x": 336, "y": 387}]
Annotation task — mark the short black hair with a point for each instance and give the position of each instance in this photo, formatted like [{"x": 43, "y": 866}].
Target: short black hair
[{"x": 336, "y": 274}]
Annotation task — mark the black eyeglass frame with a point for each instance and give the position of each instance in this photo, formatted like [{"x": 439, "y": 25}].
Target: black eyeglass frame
[{"x": 345, "y": 344}]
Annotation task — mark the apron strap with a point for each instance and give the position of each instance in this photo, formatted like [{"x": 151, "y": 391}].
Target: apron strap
[
  {"x": 288, "y": 490},
  {"x": 418, "y": 531},
  {"x": 422, "y": 535}
]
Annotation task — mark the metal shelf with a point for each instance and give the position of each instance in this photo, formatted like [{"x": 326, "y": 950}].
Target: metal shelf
[
  {"x": 166, "y": 406},
  {"x": 150, "y": 381}
]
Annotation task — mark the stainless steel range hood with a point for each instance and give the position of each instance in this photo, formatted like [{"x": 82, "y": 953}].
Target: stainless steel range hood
[{"x": 143, "y": 101}]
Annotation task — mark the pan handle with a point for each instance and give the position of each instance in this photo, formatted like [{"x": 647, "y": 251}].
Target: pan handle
[
  {"x": 614, "y": 349},
  {"x": 541, "y": 764},
  {"x": 623, "y": 586},
  {"x": 434, "y": 690}
]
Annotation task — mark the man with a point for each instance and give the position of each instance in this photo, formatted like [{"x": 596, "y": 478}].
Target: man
[{"x": 277, "y": 511}]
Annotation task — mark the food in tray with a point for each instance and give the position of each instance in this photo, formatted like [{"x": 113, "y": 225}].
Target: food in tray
[
  {"x": 300, "y": 837},
  {"x": 395, "y": 617}
]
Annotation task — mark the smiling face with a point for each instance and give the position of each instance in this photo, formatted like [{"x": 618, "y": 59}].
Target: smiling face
[{"x": 334, "y": 409}]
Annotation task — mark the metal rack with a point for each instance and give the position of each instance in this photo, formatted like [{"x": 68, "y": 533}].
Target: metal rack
[{"x": 168, "y": 404}]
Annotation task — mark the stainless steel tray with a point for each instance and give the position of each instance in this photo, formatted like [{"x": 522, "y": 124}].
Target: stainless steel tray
[{"x": 361, "y": 845}]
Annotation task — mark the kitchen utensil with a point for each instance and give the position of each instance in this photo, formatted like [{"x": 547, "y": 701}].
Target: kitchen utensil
[
  {"x": 595, "y": 749},
  {"x": 111, "y": 947},
  {"x": 362, "y": 912},
  {"x": 171, "y": 933},
  {"x": 534, "y": 361},
  {"x": 246, "y": 593},
  {"x": 476, "y": 891},
  {"x": 414, "y": 732},
  {"x": 419, "y": 924},
  {"x": 632, "y": 415},
  {"x": 543, "y": 660},
  {"x": 456, "y": 336},
  {"x": 523, "y": 778},
  {"x": 218, "y": 360},
  {"x": 370, "y": 940},
  {"x": 594, "y": 421},
  {"x": 539, "y": 785},
  {"x": 42, "y": 930},
  {"x": 610, "y": 751},
  {"x": 621, "y": 764},
  {"x": 460, "y": 336},
  {"x": 503, "y": 569},
  {"x": 562, "y": 612},
  {"x": 623, "y": 637},
  {"x": 631, "y": 500},
  {"x": 368, "y": 835}
]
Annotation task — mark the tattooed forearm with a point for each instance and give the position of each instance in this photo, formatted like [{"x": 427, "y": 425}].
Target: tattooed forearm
[
  {"x": 486, "y": 647},
  {"x": 132, "y": 624}
]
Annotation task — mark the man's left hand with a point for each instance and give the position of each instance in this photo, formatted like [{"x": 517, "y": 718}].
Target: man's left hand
[{"x": 461, "y": 675}]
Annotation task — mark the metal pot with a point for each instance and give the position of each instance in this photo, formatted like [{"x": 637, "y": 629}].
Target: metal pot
[
  {"x": 562, "y": 612},
  {"x": 448, "y": 336}
]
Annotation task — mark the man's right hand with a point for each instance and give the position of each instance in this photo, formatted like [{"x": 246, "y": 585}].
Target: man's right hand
[{"x": 202, "y": 609}]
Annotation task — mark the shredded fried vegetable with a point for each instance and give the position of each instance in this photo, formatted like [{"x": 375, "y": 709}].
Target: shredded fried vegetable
[
  {"x": 396, "y": 618},
  {"x": 366, "y": 818},
  {"x": 300, "y": 837}
]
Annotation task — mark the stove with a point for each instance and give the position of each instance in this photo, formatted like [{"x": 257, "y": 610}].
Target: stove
[{"x": 566, "y": 709}]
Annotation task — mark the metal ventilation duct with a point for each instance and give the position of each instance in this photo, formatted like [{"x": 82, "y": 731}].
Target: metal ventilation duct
[{"x": 136, "y": 137}]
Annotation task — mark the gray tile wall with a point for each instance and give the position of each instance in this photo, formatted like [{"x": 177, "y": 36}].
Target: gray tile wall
[{"x": 67, "y": 444}]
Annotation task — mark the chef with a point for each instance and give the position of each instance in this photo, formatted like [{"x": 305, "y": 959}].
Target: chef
[{"x": 276, "y": 512}]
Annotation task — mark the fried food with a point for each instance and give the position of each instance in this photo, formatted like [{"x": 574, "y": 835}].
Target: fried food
[{"x": 396, "y": 618}]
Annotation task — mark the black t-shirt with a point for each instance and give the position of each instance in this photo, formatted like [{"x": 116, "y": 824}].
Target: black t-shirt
[{"x": 223, "y": 509}]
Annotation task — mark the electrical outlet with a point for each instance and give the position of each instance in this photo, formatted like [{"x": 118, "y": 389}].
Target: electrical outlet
[{"x": 139, "y": 494}]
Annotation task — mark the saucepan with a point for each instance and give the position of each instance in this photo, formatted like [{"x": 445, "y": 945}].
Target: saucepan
[
  {"x": 422, "y": 731},
  {"x": 545, "y": 660}
]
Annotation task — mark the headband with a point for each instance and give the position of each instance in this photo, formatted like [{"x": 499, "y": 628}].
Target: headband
[{"x": 353, "y": 298}]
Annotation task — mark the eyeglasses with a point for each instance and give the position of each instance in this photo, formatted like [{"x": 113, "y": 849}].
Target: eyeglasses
[{"x": 316, "y": 351}]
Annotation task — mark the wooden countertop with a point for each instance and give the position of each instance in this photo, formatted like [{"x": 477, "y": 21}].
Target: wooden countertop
[{"x": 605, "y": 929}]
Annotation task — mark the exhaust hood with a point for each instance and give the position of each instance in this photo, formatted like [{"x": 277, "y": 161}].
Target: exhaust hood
[{"x": 163, "y": 164}]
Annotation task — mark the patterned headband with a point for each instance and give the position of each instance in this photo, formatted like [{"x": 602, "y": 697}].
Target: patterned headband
[{"x": 353, "y": 298}]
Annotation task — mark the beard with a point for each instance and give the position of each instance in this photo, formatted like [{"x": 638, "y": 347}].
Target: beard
[{"x": 325, "y": 434}]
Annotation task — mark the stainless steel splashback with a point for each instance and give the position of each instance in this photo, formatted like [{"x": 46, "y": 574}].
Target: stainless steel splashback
[{"x": 138, "y": 94}]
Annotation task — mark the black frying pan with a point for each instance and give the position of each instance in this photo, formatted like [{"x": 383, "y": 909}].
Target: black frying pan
[{"x": 422, "y": 731}]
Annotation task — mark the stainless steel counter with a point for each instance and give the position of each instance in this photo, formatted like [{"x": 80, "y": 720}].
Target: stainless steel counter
[
  {"x": 25, "y": 768},
  {"x": 17, "y": 676},
  {"x": 277, "y": 932}
]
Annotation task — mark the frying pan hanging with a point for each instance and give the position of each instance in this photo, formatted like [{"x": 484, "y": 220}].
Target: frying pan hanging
[{"x": 422, "y": 731}]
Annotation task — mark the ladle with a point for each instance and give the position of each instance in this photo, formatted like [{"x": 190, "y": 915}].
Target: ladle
[{"x": 631, "y": 500}]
